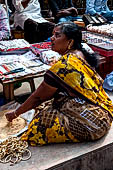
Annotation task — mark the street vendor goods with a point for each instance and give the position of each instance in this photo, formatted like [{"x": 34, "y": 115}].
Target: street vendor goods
[
  {"x": 10, "y": 128},
  {"x": 16, "y": 44},
  {"x": 95, "y": 20},
  {"x": 106, "y": 29}
]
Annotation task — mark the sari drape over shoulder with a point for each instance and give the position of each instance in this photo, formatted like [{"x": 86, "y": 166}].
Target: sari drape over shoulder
[{"x": 79, "y": 75}]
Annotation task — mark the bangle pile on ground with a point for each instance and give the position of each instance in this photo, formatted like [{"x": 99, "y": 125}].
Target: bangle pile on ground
[{"x": 14, "y": 150}]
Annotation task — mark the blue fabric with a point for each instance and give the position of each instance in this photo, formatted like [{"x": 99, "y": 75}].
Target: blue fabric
[
  {"x": 108, "y": 82},
  {"x": 2, "y": 101},
  {"x": 108, "y": 15},
  {"x": 99, "y": 7},
  {"x": 69, "y": 18}
]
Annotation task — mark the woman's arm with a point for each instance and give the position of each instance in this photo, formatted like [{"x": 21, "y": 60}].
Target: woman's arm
[
  {"x": 73, "y": 11},
  {"x": 43, "y": 93}
]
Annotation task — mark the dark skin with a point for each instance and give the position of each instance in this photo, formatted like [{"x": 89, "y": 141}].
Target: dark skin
[
  {"x": 66, "y": 12},
  {"x": 25, "y": 3},
  {"x": 44, "y": 92}
]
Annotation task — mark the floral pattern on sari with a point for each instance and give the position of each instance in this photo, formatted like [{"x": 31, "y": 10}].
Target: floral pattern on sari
[{"x": 53, "y": 125}]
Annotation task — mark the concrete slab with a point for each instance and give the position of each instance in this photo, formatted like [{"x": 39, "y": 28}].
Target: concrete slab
[
  {"x": 25, "y": 88},
  {"x": 96, "y": 155},
  {"x": 79, "y": 156}
]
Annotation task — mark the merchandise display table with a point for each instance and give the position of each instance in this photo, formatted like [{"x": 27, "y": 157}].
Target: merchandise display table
[
  {"x": 22, "y": 65},
  {"x": 8, "y": 86},
  {"x": 103, "y": 45}
]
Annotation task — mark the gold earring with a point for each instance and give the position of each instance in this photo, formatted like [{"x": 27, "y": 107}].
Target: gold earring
[{"x": 69, "y": 46}]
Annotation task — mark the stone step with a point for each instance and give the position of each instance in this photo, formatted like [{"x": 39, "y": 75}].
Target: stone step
[{"x": 96, "y": 155}]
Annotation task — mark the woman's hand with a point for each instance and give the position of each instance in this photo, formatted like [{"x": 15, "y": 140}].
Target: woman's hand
[
  {"x": 66, "y": 12},
  {"x": 73, "y": 11},
  {"x": 63, "y": 13},
  {"x": 11, "y": 115}
]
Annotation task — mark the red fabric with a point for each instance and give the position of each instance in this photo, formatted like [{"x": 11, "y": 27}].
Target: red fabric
[{"x": 43, "y": 45}]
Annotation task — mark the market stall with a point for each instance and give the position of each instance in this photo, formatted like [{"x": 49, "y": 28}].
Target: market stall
[
  {"x": 100, "y": 39},
  {"x": 21, "y": 62}
]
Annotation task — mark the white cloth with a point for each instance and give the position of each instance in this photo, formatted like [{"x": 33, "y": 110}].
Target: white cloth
[{"x": 32, "y": 11}]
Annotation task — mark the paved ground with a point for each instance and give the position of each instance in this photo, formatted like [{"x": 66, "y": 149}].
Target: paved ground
[
  {"x": 23, "y": 92},
  {"x": 81, "y": 156}
]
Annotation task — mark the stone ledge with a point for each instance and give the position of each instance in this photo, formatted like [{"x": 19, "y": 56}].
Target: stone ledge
[{"x": 96, "y": 155}]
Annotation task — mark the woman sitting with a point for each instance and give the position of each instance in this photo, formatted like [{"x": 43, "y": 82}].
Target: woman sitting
[
  {"x": 76, "y": 106},
  {"x": 4, "y": 24}
]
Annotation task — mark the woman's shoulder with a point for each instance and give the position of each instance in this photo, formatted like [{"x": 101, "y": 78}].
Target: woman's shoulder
[
  {"x": 75, "y": 53},
  {"x": 79, "y": 53}
]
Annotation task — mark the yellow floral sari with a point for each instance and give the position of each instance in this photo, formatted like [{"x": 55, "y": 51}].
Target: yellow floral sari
[{"x": 77, "y": 119}]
